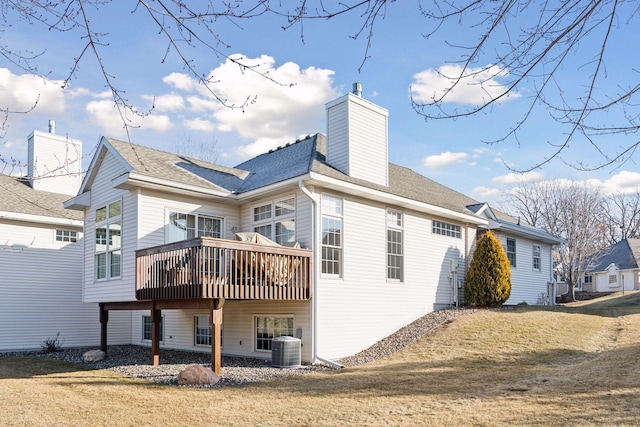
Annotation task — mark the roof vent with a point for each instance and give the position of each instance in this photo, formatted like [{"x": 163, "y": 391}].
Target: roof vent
[
  {"x": 357, "y": 89},
  {"x": 52, "y": 126}
]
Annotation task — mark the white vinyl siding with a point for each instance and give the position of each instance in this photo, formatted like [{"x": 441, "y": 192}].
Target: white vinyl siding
[
  {"x": 357, "y": 139},
  {"x": 362, "y": 296},
  {"x": 37, "y": 303},
  {"x": 239, "y": 327},
  {"x": 528, "y": 285},
  {"x": 121, "y": 288}
]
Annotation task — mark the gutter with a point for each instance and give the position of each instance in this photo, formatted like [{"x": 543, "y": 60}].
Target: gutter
[{"x": 316, "y": 264}]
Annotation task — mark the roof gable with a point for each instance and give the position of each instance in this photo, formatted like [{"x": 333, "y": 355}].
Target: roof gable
[{"x": 625, "y": 254}]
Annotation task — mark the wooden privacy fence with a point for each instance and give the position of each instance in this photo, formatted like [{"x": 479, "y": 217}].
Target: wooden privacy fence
[{"x": 205, "y": 267}]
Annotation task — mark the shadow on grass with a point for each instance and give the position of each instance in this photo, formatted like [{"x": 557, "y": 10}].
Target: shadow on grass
[
  {"x": 32, "y": 366},
  {"x": 615, "y": 305},
  {"x": 480, "y": 376}
]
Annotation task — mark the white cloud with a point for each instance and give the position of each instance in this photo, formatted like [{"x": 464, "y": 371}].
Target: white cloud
[
  {"x": 518, "y": 178},
  {"x": 199, "y": 124},
  {"x": 474, "y": 85},
  {"x": 484, "y": 193},
  {"x": 276, "y": 109},
  {"x": 20, "y": 93},
  {"x": 181, "y": 81},
  {"x": 444, "y": 159},
  {"x": 104, "y": 113},
  {"x": 169, "y": 102}
]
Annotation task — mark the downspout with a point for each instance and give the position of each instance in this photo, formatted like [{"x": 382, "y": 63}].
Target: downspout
[
  {"x": 316, "y": 266},
  {"x": 552, "y": 279}
]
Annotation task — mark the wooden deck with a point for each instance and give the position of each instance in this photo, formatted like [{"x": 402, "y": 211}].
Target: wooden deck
[{"x": 205, "y": 267}]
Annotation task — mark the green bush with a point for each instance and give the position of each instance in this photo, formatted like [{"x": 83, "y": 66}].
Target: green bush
[{"x": 488, "y": 280}]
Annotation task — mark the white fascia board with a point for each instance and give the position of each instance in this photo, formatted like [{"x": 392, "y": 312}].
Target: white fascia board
[
  {"x": 79, "y": 202},
  {"x": 40, "y": 219},
  {"x": 530, "y": 233},
  {"x": 132, "y": 179},
  {"x": 103, "y": 147},
  {"x": 272, "y": 188},
  {"x": 381, "y": 196}
]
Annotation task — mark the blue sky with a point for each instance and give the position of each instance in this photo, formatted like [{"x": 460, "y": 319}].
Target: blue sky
[{"x": 312, "y": 72}]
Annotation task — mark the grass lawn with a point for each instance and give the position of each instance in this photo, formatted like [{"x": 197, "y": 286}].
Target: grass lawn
[{"x": 577, "y": 364}]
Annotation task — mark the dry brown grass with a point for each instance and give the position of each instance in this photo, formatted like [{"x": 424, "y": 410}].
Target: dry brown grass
[{"x": 572, "y": 365}]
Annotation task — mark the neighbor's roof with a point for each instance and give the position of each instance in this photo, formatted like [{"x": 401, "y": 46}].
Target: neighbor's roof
[
  {"x": 624, "y": 254},
  {"x": 18, "y": 197}
]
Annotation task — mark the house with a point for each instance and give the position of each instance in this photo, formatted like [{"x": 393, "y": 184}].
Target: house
[
  {"x": 380, "y": 245},
  {"x": 41, "y": 252},
  {"x": 614, "y": 268}
]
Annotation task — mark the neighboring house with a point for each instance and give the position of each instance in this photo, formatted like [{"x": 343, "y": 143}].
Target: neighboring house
[
  {"x": 614, "y": 268},
  {"x": 41, "y": 252},
  {"x": 530, "y": 254},
  {"x": 384, "y": 245}
]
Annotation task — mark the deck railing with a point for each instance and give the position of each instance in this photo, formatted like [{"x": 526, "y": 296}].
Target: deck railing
[{"x": 205, "y": 267}]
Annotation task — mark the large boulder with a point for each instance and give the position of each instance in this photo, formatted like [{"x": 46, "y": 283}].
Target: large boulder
[
  {"x": 197, "y": 375},
  {"x": 93, "y": 356}
]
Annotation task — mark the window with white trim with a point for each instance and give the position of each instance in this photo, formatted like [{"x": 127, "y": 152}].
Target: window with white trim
[
  {"x": 331, "y": 235},
  {"x": 66, "y": 236},
  {"x": 276, "y": 220},
  {"x": 395, "y": 267},
  {"x": 147, "y": 328},
  {"x": 184, "y": 226},
  {"x": 511, "y": 251},
  {"x": 537, "y": 260},
  {"x": 269, "y": 327},
  {"x": 445, "y": 229},
  {"x": 613, "y": 279},
  {"x": 108, "y": 243},
  {"x": 202, "y": 331}
]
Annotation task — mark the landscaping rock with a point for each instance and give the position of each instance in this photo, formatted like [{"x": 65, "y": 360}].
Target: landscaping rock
[
  {"x": 93, "y": 356},
  {"x": 197, "y": 375}
]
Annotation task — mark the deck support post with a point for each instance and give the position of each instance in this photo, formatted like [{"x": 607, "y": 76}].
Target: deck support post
[
  {"x": 215, "y": 317},
  {"x": 156, "y": 318},
  {"x": 104, "y": 318}
]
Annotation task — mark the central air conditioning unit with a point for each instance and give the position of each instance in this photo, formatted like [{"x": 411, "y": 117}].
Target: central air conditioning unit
[{"x": 286, "y": 352}]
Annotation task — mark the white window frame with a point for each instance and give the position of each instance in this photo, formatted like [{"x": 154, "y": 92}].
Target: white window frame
[
  {"x": 588, "y": 278},
  {"x": 332, "y": 212},
  {"x": 274, "y": 334},
  {"x": 106, "y": 247},
  {"x": 395, "y": 248},
  {"x": 446, "y": 229},
  {"x": 511, "y": 255},
  {"x": 272, "y": 216},
  {"x": 66, "y": 236},
  {"x": 197, "y": 327},
  {"x": 197, "y": 232},
  {"x": 537, "y": 257},
  {"x": 146, "y": 322}
]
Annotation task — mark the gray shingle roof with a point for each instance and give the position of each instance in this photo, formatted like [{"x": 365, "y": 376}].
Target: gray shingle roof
[
  {"x": 18, "y": 197},
  {"x": 184, "y": 170},
  {"x": 290, "y": 161},
  {"x": 625, "y": 255}
]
